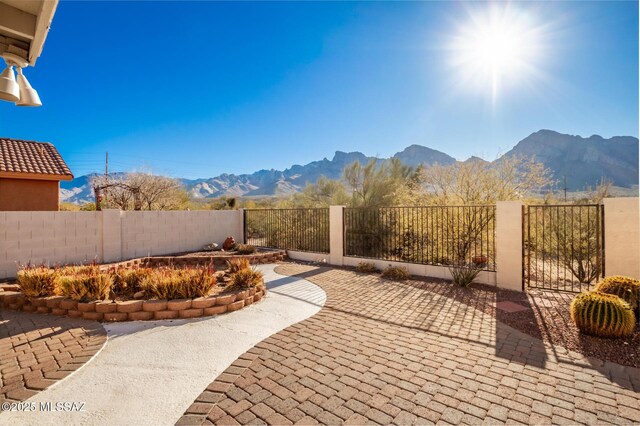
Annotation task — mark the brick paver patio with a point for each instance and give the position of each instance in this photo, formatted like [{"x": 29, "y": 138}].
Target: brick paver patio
[
  {"x": 384, "y": 352},
  {"x": 37, "y": 349}
]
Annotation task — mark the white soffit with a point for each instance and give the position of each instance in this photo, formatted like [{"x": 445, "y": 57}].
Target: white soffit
[{"x": 24, "y": 25}]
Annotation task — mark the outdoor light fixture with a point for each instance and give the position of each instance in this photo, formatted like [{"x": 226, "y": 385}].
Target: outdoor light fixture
[
  {"x": 9, "y": 90},
  {"x": 19, "y": 91}
]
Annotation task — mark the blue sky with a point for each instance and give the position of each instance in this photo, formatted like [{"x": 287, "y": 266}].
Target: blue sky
[{"x": 201, "y": 88}]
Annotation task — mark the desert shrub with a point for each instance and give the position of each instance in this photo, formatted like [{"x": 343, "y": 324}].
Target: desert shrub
[
  {"x": 246, "y": 278},
  {"x": 245, "y": 249},
  {"x": 171, "y": 283},
  {"x": 78, "y": 270},
  {"x": 602, "y": 314},
  {"x": 238, "y": 264},
  {"x": 37, "y": 281},
  {"x": 129, "y": 280},
  {"x": 463, "y": 275},
  {"x": 625, "y": 288},
  {"x": 85, "y": 286},
  {"x": 367, "y": 268},
  {"x": 395, "y": 273}
]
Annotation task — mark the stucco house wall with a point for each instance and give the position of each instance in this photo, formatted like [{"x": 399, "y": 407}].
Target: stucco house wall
[{"x": 29, "y": 194}]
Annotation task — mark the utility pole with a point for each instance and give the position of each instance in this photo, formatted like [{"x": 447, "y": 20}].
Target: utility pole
[{"x": 106, "y": 172}]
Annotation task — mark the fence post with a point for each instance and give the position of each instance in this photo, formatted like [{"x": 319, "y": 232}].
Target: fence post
[
  {"x": 509, "y": 245},
  {"x": 111, "y": 235},
  {"x": 336, "y": 235},
  {"x": 622, "y": 236},
  {"x": 243, "y": 222}
]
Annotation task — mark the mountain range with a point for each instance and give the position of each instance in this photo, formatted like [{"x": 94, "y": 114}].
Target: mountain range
[{"x": 584, "y": 162}]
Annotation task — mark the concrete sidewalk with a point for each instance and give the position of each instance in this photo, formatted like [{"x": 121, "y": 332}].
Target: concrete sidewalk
[{"x": 149, "y": 372}]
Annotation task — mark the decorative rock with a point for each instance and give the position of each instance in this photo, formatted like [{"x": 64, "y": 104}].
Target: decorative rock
[
  {"x": 15, "y": 306},
  {"x": 115, "y": 316},
  {"x": 39, "y": 301},
  {"x": 106, "y": 307},
  {"x": 215, "y": 310},
  {"x": 257, "y": 296},
  {"x": 203, "y": 302},
  {"x": 27, "y": 307},
  {"x": 10, "y": 297},
  {"x": 75, "y": 314},
  {"x": 248, "y": 300},
  {"x": 226, "y": 299},
  {"x": 252, "y": 291},
  {"x": 154, "y": 305},
  {"x": 96, "y": 316},
  {"x": 129, "y": 306},
  {"x": 242, "y": 295},
  {"x": 139, "y": 295},
  {"x": 163, "y": 315},
  {"x": 178, "y": 304},
  {"x": 58, "y": 311},
  {"x": 68, "y": 304},
  {"x": 43, "y": 310},
  {"x": 141, "y": 316},
  {"x": 235, "y": 306},
  {"x": 190, "y": 313},
  {"x": 87, "y": 307},
  {"x": 54, "y": 301}
]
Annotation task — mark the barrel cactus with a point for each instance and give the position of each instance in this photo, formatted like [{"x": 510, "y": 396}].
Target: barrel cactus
[
  {"x": 602, "y": 314},
  {"x": 625, "y": 288}
]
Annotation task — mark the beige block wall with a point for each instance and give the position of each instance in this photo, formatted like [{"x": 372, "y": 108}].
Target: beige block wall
[
  {"x": 622, "y": 237},
  {"x": 153, "y": 233},
  {"x": 48, "y": 237},
  {"x": 107, "y": 236}
]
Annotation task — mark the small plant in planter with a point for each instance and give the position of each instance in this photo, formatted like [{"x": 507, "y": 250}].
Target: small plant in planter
[
  {"x": 229, "y": 244},
  {"x": 367, "y": 268},
  {"x": 246, "y": 278},
  {"x": 172, "y": 283},
  {"x": 238, "y": 264},
  {"x": 85, "y": 287},
  {"x": 37, "y": 281},
  {"x": 395, "y": 273}
]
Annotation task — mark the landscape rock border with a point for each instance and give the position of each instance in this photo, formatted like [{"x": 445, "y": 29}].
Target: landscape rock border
[{"x": 134, "y": 310}]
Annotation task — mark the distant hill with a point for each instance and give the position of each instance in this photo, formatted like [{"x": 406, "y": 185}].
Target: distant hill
[{"x": 584, "y": 161}]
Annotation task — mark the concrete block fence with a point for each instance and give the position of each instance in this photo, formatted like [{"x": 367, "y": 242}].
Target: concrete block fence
[
  {"x": 113, "y": 236},
  {"x": 108, "y": 236}
]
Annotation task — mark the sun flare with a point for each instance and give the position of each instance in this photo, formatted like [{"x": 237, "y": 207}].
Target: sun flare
[{"x": 496, "y": 48}]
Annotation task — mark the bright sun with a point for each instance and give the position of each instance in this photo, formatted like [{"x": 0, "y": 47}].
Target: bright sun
[{"x": 496, "y": 48}]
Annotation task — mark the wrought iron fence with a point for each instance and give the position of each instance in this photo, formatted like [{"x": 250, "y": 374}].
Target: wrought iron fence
[
  {"x": 430, "y": 235},
  {"x": 563, "y": 246},
  {"x": 288, "y": 229}
]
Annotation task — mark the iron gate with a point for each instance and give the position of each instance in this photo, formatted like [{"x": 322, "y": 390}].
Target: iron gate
[{"x": 563, "y": 246}]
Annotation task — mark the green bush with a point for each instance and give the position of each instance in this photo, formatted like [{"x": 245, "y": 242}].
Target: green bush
[
  {"x": 85, "y": 287},
  {"x": 464, "y": 275},
  {"x": 245, "y": 249},
  {"x": 37, "y": 281},
  {"x": 395, "y": 273},
  {"x": 246, "y": 278},
  {"x": 602, "y": 314},
  {"x": 171, "y": 283},
  {"x": 625, "y": 288},
  {"x": 367, "y": 268}
]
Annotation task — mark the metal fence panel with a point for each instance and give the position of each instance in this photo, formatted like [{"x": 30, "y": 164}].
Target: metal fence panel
[
  {"x": 429, "y": 235},
  {"x": 288, "y": 229},
  {"x": 563, "y": 246}
]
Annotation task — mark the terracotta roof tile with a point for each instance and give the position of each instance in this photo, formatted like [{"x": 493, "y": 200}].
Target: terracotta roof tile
[{"x": 19, "y": 156}]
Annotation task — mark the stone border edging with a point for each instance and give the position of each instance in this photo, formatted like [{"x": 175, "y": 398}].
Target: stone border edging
[{"x": 134, "y": 310}]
